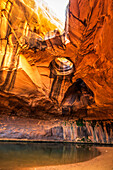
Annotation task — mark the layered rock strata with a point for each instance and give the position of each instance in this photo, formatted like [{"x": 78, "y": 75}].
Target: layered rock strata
[
  {"x": 81, "y": 131},
  {"x": 30, "y": 44}
]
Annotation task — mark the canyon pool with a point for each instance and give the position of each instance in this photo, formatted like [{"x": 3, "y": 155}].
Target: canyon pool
[{"x": 16, "y": 155}]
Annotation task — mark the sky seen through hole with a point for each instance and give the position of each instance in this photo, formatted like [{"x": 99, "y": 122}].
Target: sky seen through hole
[{"x": 58, "y": 7}]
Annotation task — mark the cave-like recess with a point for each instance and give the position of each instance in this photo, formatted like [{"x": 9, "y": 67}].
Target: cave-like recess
[{"x": 51, "y": 72}]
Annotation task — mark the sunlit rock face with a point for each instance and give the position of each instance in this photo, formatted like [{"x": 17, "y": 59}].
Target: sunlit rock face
[
  {"x": 41, "y": 72},
  {"x": 24, "y": 26},
  {"x": 90, "y": 30}
]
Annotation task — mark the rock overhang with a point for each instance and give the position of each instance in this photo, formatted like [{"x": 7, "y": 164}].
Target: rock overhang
[{"x": 88, "y": 49}]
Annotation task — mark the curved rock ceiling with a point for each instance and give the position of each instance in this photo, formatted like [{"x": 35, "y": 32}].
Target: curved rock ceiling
[{"x": 45, "y": 69}]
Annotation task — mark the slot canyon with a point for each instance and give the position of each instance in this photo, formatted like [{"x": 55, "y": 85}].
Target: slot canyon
[{"x": 59, "y": 80}]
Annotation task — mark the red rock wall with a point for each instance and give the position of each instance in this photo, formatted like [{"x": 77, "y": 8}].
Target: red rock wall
[
  {"x": 91, "y": 32},
  {"x": 25, "y": 72}
]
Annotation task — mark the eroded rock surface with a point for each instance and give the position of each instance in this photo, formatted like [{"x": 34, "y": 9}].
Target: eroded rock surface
[
  {"x": 14, "y": 128},
  {"x": 90, "y": 30},
  {"x": 30, "y": 42}
]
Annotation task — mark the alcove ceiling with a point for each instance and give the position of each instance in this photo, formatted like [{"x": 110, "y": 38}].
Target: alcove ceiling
[{"x": 46, "y": 68}]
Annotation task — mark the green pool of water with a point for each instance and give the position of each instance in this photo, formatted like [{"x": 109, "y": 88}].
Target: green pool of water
[{"x": 28, "y": 155}]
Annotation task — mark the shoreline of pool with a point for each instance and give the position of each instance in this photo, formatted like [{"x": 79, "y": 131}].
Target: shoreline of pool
[
  {"x": 101, "y": 162},
  {"x": 53, "y": 141}
]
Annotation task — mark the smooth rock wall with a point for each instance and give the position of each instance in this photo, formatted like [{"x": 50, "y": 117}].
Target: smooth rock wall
[{"x": 65, "y": 131}]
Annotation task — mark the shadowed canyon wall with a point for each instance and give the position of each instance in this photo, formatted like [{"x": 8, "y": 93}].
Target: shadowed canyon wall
[
  {"x": 64, "y": 131},
  {"x": 48, "y": 70}
]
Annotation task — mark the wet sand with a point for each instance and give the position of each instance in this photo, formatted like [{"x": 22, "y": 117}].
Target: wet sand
[{"x": 102, "y": 162}]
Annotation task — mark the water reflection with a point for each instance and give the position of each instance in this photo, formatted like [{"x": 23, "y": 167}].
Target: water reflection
[{"x": 20, "y": 155}]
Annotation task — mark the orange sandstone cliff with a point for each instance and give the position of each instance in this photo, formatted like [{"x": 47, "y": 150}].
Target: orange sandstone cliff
[{"x": 47, "y": 70}]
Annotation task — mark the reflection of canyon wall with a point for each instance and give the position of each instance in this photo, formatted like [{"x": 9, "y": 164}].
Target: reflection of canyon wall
[{"x": 28, "y": 46}]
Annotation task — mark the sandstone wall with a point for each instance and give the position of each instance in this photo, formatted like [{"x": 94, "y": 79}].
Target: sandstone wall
[
  {"x": 27, "y": 51},
  {"x": 90, "y": 31}
]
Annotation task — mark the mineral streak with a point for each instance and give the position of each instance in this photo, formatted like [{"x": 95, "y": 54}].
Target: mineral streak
[{"x": 32, "y": 37}]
